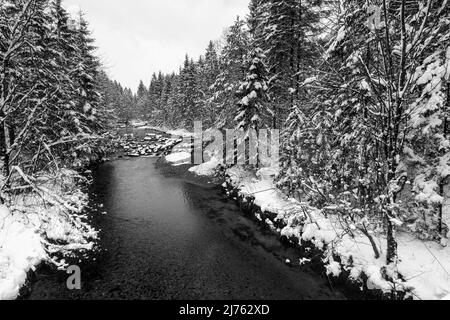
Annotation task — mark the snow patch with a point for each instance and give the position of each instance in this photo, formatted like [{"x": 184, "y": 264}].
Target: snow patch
[
  {"x": 208, "y": 168},
  {"x": 179, "y": 158},
  {"x": 21, "y": 249}
]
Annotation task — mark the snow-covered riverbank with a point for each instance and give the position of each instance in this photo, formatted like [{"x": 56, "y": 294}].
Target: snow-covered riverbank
[
  {"x": 47, "y": 225},
  {"x": 22, "y": 249},
  {"x": 422, "y": 270}
]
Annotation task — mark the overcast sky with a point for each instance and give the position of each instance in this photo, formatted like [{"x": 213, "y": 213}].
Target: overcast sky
[{"x": 139, "y": 37}]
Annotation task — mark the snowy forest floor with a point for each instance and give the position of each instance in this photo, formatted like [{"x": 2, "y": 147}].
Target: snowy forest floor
[{"x": 422, "y": 267}]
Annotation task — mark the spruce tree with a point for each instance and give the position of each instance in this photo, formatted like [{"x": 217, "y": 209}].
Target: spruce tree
[
  {"x": 233, "y": 70},
  {"x": 253, "y": 93}
]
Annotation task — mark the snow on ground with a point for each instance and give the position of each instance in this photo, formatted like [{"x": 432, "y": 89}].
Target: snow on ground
[
  {"x": 21, "y": 249},
  {"x": 182, "y": 153},
  {"x": 179, "y": 158},
  {"x": 176, "y": 133},
  {"x": 179, "y": 133},
  {"x": 425, "y": 266},
  {"x": 208, "y": 168},
  {"x": 31, "y": 231},
  {"x": 138, "y": 123}
]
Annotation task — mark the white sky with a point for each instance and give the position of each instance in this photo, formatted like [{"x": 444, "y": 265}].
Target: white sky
[{"x": 139, "y": 37}]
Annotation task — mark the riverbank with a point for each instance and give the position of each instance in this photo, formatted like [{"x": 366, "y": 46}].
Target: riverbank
[
  {"x": 48, "y": 226},
  {"x": 344, "y": 255},
  {"x": 315, "y": 236}
]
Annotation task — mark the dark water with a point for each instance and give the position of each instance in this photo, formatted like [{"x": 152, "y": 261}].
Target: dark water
[{"x": 169, "y": 235}]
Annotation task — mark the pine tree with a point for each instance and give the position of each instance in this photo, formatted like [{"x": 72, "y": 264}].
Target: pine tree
[
  {"x": 167, "y": 88},
  {"x": 23, "y": 74},
  {"x": 207, "y": 77},
  {"x": 51, "y": 109},
  {"x": 187, "y": 93},
  {"x": 142, "y": 100},
  {"x": 253, "y": 93},
  {"x": 142, "y": 91},
  {"x": 233, "y": 70},
  {"x": 173, "y": 103},
  {"x": 283, "y": 28}
]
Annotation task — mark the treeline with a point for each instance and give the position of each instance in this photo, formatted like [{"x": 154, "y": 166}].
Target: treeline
[
  {"x": 52, "y": 111},
  {"x": 177, "y": 99},
  {"x": 360, "y": 90},
  {"x": 120, "y": 102},
  {"x": 276, "y": 40}
]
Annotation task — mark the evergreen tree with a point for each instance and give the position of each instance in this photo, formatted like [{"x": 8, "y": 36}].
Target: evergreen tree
[
  {"x": 51, "y": 109},
  {"x": 252, "y": 93},
  {"x": 187, "y": 93},
  {"x": 376, "y": 121},
  {"x": 207, "y": 77},
  {"x": 283, "y": 29},
  {"x": 142, "y": 100},
  {"x": 167, "y": 88},
  {"x": 233, "y": 70}
]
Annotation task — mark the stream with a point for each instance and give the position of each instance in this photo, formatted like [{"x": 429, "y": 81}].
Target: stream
[{"x": 170, "y": 235}]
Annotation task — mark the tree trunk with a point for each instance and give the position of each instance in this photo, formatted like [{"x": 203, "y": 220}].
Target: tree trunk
[
  {"x": 6, "y": 143},
  {"x": 442, "y": 179},
  {"x": 391, "y": 254},
  {"x": 441, "y": 209},
  {"x": 392, "y": 245},
  {"x": 372, "y": 242}
]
